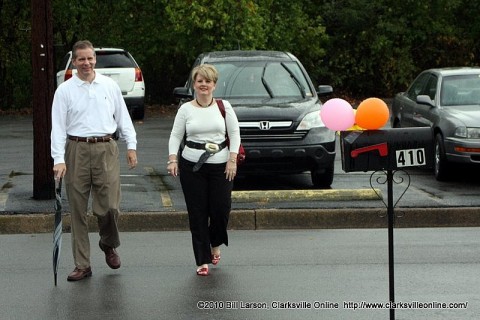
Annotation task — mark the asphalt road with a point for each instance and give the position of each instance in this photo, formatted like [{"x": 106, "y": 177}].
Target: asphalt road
[{"x": 325, "y": 272}]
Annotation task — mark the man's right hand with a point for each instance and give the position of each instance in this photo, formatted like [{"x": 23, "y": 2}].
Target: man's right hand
[{"x": 59, "y": 170}]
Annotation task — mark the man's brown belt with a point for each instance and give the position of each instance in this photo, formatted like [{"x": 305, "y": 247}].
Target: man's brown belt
[{"x": 106, "y": 138}]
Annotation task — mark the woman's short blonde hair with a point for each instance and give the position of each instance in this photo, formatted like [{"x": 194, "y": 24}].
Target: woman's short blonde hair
[{"x": 205, "y": 70}]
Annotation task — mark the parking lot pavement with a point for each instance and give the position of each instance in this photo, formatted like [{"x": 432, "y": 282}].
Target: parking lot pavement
[
  {"x": 153, "y": 201},
  {"x": 267, "y": 274}
]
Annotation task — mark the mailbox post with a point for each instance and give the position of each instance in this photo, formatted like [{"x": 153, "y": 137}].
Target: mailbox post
[{"x": 387, "y": 150}]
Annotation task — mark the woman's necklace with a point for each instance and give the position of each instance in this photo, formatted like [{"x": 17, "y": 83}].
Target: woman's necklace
[{"x": 208, "y": 105}]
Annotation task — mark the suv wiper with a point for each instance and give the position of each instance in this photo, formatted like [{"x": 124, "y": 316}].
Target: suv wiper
[
  {"x": 299, "y": 85},
  {"x": 265, "y": 84}
]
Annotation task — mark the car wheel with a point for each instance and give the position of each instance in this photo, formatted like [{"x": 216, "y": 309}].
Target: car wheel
[
  {"x": 138, "y": 113},
  {"x": 441, "y": 164},
  {"x": 322, "y": 178}
]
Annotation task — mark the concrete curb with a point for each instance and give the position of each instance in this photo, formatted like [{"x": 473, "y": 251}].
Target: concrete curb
[{"x": 263, "y": 219}]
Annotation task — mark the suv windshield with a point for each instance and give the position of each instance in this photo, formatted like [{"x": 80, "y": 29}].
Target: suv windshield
[{"x": 261, "y": 79}]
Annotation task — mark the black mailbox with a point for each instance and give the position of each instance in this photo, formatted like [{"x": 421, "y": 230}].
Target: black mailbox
[{"x": 388, "y": 149}]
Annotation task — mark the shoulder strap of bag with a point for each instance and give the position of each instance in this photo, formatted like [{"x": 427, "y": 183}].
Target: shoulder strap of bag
[
  {"x": 221, "y": 107},
  {"x": 222, "y": 111},
  {"x": 241, "y": 151}
]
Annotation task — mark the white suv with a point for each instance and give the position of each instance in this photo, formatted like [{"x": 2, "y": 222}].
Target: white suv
[{"x": 119, "y": 65}]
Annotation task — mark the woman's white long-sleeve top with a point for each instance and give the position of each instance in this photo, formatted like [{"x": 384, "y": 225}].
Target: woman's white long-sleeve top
[{"x": 202, "y": 125}]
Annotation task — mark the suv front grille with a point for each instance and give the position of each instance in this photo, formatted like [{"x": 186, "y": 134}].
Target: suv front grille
[
  {"x": 266, "y": 125},
  {"x": 268, "y": 136},
  {"x": 270, "y": 131}
]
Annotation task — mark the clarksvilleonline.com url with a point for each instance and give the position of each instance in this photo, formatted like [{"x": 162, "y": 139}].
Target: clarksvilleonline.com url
[
  {"x": 404, "y": 305},
  {"x": 317, "y": 305}
]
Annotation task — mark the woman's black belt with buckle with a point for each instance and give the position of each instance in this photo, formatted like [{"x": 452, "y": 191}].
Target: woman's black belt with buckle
[
  {"x": 209, "y": 146},
  {"x": 106, "y": 138},
  {"x": 210, "y": 149}
]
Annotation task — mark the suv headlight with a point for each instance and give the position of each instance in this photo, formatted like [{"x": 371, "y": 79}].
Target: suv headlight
[
  {"x": 311, "y": 120},
  {"x": 468, "y": 133}
]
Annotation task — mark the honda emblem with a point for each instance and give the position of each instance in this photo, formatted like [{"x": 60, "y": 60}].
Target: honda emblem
[{"x": 264, "y": 125}]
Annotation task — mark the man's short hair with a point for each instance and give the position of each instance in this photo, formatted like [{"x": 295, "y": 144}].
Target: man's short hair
[{"x": 80, "y": 45}]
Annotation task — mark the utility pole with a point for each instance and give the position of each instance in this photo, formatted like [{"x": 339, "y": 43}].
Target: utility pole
[{"x": 43, "y": 90}]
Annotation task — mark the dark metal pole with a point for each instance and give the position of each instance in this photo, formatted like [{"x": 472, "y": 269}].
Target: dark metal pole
[
  {"x": 43, "y": 90},
  {"x": 391, "y": 221}
]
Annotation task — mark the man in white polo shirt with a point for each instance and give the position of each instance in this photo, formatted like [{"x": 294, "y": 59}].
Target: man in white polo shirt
[{"x": 87, "y": 110}]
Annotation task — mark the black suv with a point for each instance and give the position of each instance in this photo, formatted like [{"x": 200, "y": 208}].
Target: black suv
[{"x": 278, "y": 110}]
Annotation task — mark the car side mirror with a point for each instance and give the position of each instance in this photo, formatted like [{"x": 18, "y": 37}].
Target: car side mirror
[
  {"x": 182, "y": 93},
  {"x": 424, "y": 99},
  {"x": 324, "y": 90}
]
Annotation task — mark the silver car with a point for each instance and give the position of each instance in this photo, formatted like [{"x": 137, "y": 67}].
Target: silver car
[{"x": 448, "y": 100}]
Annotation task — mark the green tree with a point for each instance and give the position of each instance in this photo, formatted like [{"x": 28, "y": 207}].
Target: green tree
[
  {"x": 363, "y": 48},
  {"x": 289, "y": 27},
  {"x": 199, "y": 25},
  {"x": 377, "y": 47},
  {"x": 15, "y": 66}
]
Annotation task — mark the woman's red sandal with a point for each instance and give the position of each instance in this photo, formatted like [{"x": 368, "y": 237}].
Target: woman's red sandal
[
  {"x": 202, "y": 271},
  {"x": 215, "y": 259}
]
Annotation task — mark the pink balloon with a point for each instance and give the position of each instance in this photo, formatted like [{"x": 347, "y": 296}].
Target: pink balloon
[{"x": 337, "y": 114}]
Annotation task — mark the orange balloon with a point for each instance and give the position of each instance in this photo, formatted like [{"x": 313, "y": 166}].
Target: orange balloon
[{"x": 372, "y": 114}]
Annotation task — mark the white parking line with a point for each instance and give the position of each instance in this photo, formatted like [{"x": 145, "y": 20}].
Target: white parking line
[
  {"x": 164, "y": 194},
  {"x": 5, "y": 188},
  {"x": 3, "y": 200}
]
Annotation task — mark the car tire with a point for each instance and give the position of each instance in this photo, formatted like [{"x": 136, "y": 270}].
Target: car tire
[
  {"x": 322, "y": 178},
  {"x": 440, "y": 160},
  {"x": 137, "y": 113}
]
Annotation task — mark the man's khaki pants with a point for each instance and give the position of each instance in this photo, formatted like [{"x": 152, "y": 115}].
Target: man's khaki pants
[{"x": 92, "y": 168}]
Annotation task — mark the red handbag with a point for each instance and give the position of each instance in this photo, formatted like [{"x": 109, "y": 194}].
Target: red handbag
[{"x": 241, "y": 150}]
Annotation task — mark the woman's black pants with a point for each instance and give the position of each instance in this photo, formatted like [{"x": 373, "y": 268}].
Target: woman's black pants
[{"x": 208, "y": 196}]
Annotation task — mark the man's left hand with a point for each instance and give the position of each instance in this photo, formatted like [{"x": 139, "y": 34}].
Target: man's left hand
[{"x": 132, "y": 158}]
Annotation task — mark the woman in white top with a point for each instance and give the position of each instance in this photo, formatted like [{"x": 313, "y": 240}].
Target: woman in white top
[{"x": 207, "y": 166}]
